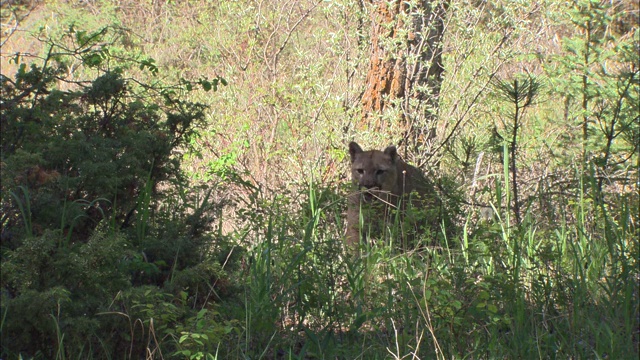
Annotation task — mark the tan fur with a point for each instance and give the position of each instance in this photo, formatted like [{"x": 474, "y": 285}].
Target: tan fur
[{"x": 381, "y": 180}]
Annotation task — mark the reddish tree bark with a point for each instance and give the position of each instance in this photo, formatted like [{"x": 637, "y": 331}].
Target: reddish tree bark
[{"x": 406, "y": 56}]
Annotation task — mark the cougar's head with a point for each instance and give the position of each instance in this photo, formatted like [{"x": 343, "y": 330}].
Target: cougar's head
[{"x": 373, "y": 171}]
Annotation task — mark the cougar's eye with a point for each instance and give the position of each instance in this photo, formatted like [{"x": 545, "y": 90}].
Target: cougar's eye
[
  {"x": 360, "y": 171},
  {"x": 380, "y": 172}
]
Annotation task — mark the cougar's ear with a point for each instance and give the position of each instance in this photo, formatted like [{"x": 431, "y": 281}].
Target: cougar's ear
[
  {"x": 392, "y": 152},
  {"x": 354, "y": 149}
]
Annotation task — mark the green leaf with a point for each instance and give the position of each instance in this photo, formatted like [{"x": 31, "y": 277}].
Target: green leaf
[{"x": 201, "y": 313}]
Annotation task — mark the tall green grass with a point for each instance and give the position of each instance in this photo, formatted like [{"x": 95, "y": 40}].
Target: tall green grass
[{"x": 496, "y": 290}]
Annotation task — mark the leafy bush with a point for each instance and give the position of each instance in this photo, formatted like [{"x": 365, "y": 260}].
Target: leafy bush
[{"x": 89, "y": 182}]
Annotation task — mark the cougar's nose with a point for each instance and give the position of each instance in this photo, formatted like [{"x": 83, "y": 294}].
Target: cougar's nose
[{"x": 367, "y": 183}]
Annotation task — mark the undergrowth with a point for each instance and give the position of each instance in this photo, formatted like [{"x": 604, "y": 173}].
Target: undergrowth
[{"x": 146, "y": 216}]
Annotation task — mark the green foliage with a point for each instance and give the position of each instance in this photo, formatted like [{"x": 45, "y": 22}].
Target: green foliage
[
  {"x": 503, "y": 292},
  {"x": 521, "y": 94},
  {"x": 89, "y": 178},
  {"x": 598, "y": 75},
  {"x": 139, "y": 223},
  {"x": 40, "y": 279}
]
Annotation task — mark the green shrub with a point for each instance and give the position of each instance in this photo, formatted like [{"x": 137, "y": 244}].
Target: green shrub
[{"x": 89, "y": 182}]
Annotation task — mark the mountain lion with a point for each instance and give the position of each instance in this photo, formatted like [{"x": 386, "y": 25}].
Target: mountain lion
[{"x": 385, "y": 186}]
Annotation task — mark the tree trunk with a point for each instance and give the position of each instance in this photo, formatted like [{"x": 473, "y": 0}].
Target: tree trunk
[{"x": 405, "y": 69}]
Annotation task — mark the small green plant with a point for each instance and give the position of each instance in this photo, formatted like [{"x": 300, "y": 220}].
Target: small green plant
[{"x": 521, "y": 93}]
